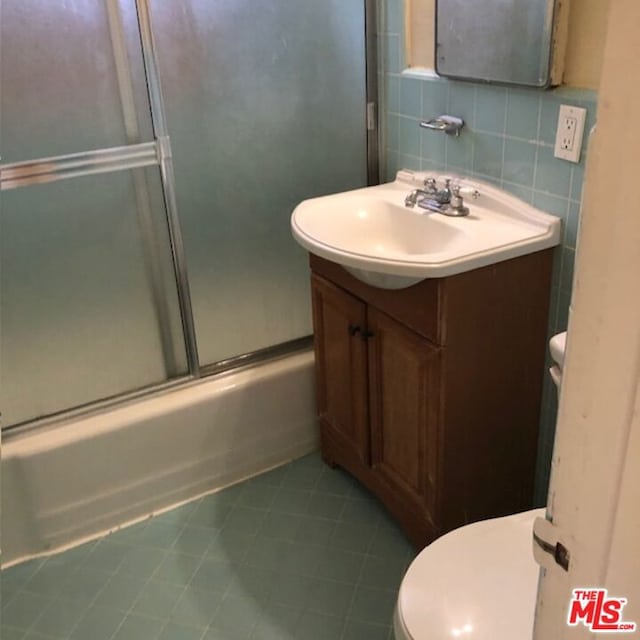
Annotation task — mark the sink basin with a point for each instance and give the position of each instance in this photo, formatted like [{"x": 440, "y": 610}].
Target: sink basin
[
  {"x": 371, "y": 225},
  {"x": 372, "y": 234}
]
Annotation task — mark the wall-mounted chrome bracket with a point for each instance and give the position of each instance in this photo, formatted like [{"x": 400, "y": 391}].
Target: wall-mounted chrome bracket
[{"x": 449, "y": 124}]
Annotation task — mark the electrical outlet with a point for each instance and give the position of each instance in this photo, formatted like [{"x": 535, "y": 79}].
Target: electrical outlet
[{"x": 569, "y": 133}]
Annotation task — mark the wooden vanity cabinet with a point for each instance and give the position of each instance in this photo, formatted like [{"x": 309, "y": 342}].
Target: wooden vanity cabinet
[
  {"x": 430, "y": 395},
  {"x": 341, "y": 367}
]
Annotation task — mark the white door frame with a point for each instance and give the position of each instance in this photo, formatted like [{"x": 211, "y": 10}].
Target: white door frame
[{"x": 594, "y": 495}]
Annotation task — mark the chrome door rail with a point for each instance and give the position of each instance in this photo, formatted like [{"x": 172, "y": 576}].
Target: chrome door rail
[
  {"x": 161, "y": 132},
  {"x": 260, "y": 356},
  {"x": 153, "y": 247},
  {"x": 224, "y": 367},
  {"x": 371, "y": 62},
  {"x": 74, "y": 165}
]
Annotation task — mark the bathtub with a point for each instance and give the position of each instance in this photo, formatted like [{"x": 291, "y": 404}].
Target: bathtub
[{"x": 77, "y": 480}]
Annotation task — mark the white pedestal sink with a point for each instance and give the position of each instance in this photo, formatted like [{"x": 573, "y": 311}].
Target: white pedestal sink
[{"x": 372, "y": 234}]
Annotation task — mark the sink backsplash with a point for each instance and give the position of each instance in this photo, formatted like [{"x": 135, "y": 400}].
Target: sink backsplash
[{"x": 508, "y": 140}]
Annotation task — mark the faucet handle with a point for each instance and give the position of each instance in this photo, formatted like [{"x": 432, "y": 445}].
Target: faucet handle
[
  {"x": 468, "y": 191},
  {"x": 430, "y": 184},
  {"x": 456, "y": 196},
  {"x": 458, "y": 189}
]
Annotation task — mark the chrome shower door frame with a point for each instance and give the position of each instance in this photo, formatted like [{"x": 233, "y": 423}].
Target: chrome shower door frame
[
  {"x": 130, "y": 157},
  {"x": 158, "y": 153},
  {"x": 161, "y": 133}
]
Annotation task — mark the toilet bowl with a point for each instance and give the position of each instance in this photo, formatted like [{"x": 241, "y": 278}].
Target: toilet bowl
[{"x": 477, "y": 582}]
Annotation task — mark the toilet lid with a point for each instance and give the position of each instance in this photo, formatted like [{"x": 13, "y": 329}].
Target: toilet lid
[{"x": 478, "y": 582}]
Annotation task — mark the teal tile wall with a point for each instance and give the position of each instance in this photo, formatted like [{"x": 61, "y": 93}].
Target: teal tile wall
[{"x": 508, "y": 141}]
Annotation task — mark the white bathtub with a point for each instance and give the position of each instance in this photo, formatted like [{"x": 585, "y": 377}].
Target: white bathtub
[{"x": 70, "y": 482}]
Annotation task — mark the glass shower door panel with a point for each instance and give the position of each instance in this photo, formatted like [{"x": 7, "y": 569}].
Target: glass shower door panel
[
  {"x": 66, "y": 77},
  {"x": 87, "y": 313},
  {"x": 265, "y": 103}
]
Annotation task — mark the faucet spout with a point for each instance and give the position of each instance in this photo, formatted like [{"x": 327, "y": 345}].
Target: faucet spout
[{"x": 412, "y": 198}]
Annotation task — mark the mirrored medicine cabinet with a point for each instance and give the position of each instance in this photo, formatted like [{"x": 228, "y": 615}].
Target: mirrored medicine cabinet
[{"x": 516, "y": 42}]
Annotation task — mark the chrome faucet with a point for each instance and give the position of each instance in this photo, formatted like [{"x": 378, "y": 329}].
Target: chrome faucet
[
  {"x": 456, "y": 203},
  {"x": 443, "y": 196},
  {"x": 412, "y": 198},
  {"x": 431, "y": 185},
  {"x": 430, "y": 191},
  {"x": 448, "y": 200}
]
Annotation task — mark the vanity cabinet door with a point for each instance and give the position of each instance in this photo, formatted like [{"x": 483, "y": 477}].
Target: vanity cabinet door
[
  {"x": 339, "y": 321},
  {"x": 404, "y": 391}
]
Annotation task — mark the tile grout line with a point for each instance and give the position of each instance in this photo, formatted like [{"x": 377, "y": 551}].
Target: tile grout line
[
  {"x": 347, "y": 616},
  {"x": 251, "y": 633},
  {"x": 534, "y": 178},
  {"x": 346, "y": 493},
  {"x": 280, "y": 487},
  {"x": 137, "y": 598},
  {"x": 166, "y": 551},
  {"x": 21, "y": 590},
  {"x": 56, "y": 598},
  {"x": 325, "y": 470},
  {"x": 195, "y": 570},
  {"x": 503, "y": 135},
  {"x": 203, "y": 558},
  {"x": 224, "y": 595}
]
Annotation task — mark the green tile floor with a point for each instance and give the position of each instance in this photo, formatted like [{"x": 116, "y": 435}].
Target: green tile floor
[{"x": 301, "y": 552}]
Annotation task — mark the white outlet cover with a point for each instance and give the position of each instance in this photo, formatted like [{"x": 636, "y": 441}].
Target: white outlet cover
[{"x": 569, "y": 132}]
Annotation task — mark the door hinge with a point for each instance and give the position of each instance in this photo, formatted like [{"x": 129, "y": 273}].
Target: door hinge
[
  {"x": 371, "y": 116},
  {"x": 547, "y": 545}
]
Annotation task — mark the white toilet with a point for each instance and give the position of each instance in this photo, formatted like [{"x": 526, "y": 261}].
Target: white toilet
[{"x": 478, "y": 582}]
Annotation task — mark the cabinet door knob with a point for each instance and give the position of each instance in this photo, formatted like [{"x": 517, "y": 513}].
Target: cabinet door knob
[
  {"x": 353, "y": 329},
  {"x": 367, "y": 334}
]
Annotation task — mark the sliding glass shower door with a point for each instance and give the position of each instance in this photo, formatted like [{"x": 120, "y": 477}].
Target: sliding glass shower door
[
  {"x": 90, "y": 306},
  {"x": 265, "y": 106}
]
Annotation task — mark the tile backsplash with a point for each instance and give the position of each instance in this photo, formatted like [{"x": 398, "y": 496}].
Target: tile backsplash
[{"x": 507, "y": 140}]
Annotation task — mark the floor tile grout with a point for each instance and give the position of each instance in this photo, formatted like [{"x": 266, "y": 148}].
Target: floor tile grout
[{"x": 330, "y": 504}]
